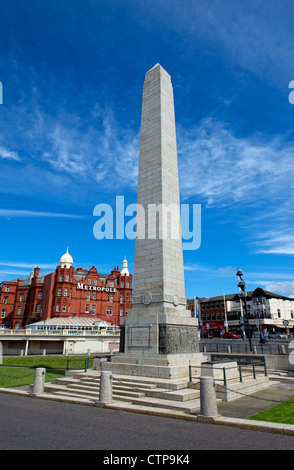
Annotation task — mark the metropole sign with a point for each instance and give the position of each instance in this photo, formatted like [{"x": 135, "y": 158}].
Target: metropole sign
[{"x": 97, "y": 288}]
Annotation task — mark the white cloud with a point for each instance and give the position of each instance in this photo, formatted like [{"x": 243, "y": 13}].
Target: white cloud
[
  {"x": 277, "y": 241},
  {"x": 258, "y": 39},
  {"x": 23, "y": 213},
  {"x": 285, "y": 288},
  {"x": 8, "y": 154},
  {"x": 225, "y": 169}
]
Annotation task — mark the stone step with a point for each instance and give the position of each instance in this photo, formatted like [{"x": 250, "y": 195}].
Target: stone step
[
  {"x": 116, "y": 390},
  {"x": 176, "y": 384},
  {"x": 189, "y": 406},
  {"x": 174, "y": 395},
  {"x": 90, "y": 392},
  {"x": 68, "y": 393},
  {"x": 118, "y": 383},
  {"x": 130, "y": 397}
]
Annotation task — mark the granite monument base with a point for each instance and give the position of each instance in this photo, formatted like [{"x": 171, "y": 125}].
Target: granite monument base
[{"x": 157, "y": 344}]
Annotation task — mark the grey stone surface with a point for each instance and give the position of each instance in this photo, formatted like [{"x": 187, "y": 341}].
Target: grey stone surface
[
  {"x": 105, "y": 392},
  {"x": 39, "y": 381},
  {"x": 208, "y": 404}
]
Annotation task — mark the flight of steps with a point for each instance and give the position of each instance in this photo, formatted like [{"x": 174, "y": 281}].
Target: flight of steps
[{"x": 142, "y": 391}]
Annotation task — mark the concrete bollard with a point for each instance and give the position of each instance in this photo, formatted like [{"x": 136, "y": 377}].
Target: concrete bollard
[
  {"x": 283, "y": 350},
  {"x": 44, "y": 352},
  {"x": 39, "y": 381},
  {"x": 229, "y": 349},
  {"x": 105, "y": 392},
  {"x": 254, "y": 350},
  {"x": 208, "y": 405}
]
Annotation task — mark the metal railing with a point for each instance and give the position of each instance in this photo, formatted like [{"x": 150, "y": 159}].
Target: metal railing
[
  {"x": 85, "y": 361},
  {"x": 65, "y": 332},
  {"x": 237, "y": 346},
  {"x": 243, "y": 371}
]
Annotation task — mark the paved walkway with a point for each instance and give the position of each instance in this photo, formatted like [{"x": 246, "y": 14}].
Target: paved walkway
[{"x": 248, "y": 406}]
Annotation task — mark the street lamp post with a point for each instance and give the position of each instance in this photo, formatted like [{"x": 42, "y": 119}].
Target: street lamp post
[
  {"x": 259, "y": 321},
  {"x": 225, "y": 309},
  {"x": 242, "y": 295}
]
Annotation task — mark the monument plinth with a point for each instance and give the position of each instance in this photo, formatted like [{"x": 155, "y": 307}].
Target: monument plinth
[{"x": 158, "y": 338}]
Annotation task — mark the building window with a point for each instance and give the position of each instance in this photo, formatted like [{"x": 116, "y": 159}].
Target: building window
[
  {"x": 59, "y": 292},
  {"x": 5, "y": 300},
  {"x": 21, "y": 297},
  {"x": 38, "y": 308},
  {"x": 87, "y": 308},
  {"x": 40, "y": 295},
  {"x": 89, "y": 282},
  {"x": 109, "y": 311},
  {"x": 57, "y": 308},
  {"x": 3, "y": 313},
  {"x": 7, "y": 289},
  {"x": 94, "y": 295},
  {"x": 88, "y": 295},
  {"x": 65, "y": 291},
  {"x": 121, "y": 298},
  {"x": 19, "y": 312},
  {"x": 64, "y": 308},
  {"x": 279, "y": 313},
  {"x": 121, "y": 312},
  {"x": 127, "y": 297},
  {"x": 207, "y": 306},
  {"x": 109, "y": 298},
  {"x": 292, "y": 314},
  {"x": 122, "y": 284},
  {"x": 61, "y": 278},
  {"x": 93, "y": 309},
  {"x": 128, "y": 285},
  {"x": 110, "y": 284},
  {"x": 67, "y": 278}
]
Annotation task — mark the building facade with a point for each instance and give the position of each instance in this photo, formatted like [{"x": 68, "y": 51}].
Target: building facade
[
  {"x": 67, "y": 292},
  {"x": 267, "y": 312}
]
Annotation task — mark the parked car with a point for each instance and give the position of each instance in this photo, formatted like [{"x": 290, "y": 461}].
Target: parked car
[
  {"x": 277, "y": 336},
  {"x": 230, "y": 335},
  {"x": 208, "y": 335}
]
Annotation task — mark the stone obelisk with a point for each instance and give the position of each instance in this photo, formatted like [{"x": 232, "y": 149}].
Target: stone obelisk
[{"x": 159, "y": 337}]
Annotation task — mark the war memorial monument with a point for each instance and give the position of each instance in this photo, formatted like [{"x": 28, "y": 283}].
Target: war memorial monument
[{"x": 159, "y": 338}]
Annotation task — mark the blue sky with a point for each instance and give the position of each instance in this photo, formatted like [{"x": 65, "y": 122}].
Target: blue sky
[{"x": 72, "y": 76}]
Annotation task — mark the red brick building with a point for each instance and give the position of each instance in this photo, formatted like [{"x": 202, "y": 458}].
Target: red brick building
[{"x": 66, "y": 292}]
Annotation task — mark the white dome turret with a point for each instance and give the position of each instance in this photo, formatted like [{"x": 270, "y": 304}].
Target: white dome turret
[
  {"x": 125, "y": 270},
  {"x": 66, "y": 260}
]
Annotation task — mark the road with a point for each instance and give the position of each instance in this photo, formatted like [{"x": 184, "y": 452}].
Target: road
[{"x": 36, "y": 424}]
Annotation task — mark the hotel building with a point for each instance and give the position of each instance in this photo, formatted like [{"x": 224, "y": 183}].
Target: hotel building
[{"x": 67, "y": 292}]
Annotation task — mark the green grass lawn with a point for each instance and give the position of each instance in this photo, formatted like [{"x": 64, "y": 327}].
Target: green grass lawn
[
  {"x": 21, "y": 370},
  {"x": 283, "y": 413},
  {"x": 18, "y": 376}
]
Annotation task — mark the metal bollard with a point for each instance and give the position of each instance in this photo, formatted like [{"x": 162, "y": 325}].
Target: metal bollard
[
  {"x": 208, "y": 406},
  {"x": 105, "y": 392},
  {"x": 39, "y": 381}
]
